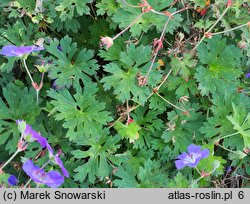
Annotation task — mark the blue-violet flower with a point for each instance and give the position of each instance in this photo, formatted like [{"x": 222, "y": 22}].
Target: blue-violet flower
[
  {"x": 192, "y": 158},
  {"x": 15, "y": 51},
  {"x": 12, "y": 180},
  {"x": 30, "y": 135},
  {"x": 52, "y": 178}
]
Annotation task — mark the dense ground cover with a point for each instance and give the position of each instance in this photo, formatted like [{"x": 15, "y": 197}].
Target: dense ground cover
[{"x": 124, "y": 93}]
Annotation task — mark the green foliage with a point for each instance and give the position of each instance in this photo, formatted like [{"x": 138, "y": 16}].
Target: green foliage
[
  {"x": 199, "y": 3},
  {"x": 123, "y": 75},
  {"x": 129, "y": 131},
  {"x": 125, "y": 14},
  {"x": 241, "y": 123},
  {"x": 97, "y": 157},
  {"x": 15, "y": 106},
  {"x": 68, "y": 8},
  {"x": 69, "y": 65},
  {"x": 148, "y": 176},
  {"x": 18, "y": 34},
  {"x": 106, "y": 6},
  {"x": 220, "y": 63},
  {"x": 181, "y": 66},
  {"x": 82, "y": 113},
  {"x": 212, "y": 163},
  {"x": 179, "y": 181},
  {"x": 109, "y": 128},
  {"x": 218, "y": 124},
  {"x": 4, "y": 178}
]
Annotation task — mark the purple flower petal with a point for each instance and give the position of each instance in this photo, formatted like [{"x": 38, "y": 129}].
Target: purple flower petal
[
  {"x": 57, "y": 87},
  {"x": 52, "y": 179},
  {"x": 49, "y": 148},
  {"x": 12, "y": 180},
  {"x": 29, "y": 132},
  {"x": 32, "y": 171},
  {"x": 179, "y": 164},
  {"x": 204, "y": 153},
  {"x": 247, "y": 75},
  {"x": 15, "y": 51},
  {"x": 59, "y": 47},
  {"x": 183, "y": 155},
  {"x": 229, "y": 169},
  {"x": 36, "y": 136},
  {"x": 193, "y": 148},
  {"x": 60, "y": 163},
  {"x": 192, "y": 158}
]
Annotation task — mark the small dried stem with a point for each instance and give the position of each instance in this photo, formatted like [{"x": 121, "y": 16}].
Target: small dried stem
[
  {"x": 211, "y": 28},
  {"x": 170, "y": 103},
  {"x": 133, "y": 22},
  {"x": 128, "y": 111},
  {"x": 237, "y": 27}
]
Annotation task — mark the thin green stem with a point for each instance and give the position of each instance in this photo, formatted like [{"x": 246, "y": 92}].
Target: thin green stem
[
  {"x": 219, "y": 138},
  {"x": 202, "y": 176},
  {"x": 216, "y": 22},
  {"x": 157, "y": 88},
  {"x": 219, "y": 19},
  {"x": 164, "y": 80},
  {"x": 37, "y": 97},
  {"x": 10, "y": 159},
  {"x": 37, "y": 90},
  {"x": 27, "y": 70},
  {"x": 170, "y": 103},
  {"x": 235, "y": 28},
  {"x": 161, "y": 38},
  {"x": 196, "y": 181},
  {"x": 130, "y": 5},
  {"x": 116, "y": 121},
  {"x": 151, "y": 66},
  {"x": 28, "y": 182},
  {"x": 226, "y": 149},
  {"x": 165, "y": 27},
  {"x": 128, "y": 111},
  {"x": 93, "y": 10},
  {"x": 198, "y": 170},
  {"x": 45, "y": 164},
  {"x": 133, "y": 22},
  {"x": 157, "y": 50}
]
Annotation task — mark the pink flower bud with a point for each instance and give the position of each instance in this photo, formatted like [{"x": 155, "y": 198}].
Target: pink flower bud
[
  {"x": 22, "y": 146},
  {"x": 229, "y": 3},
  {"x": 130, "y": 120},
  {"x": 242, "y": 44},
  {"x": 208, "y": 35},
  {"x": 158, "y": 44},
  {"x": 106, "y": 41},
  {"x": 36, "y": 87}
]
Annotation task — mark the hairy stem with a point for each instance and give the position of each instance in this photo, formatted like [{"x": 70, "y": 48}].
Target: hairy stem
[
  {"x": 10, "y": 159},
  {"x": 133, "y": 22},
  {"x": 28, "y": 182},
  {"x": 211, "y": 28},
  {"x": 225, "y": 31},
  {"x": 128, "y": 111},
  {"x": 27, "y": 70},
  {"x": 219, "y": 138},
  {"x": 170, "y": 103}
]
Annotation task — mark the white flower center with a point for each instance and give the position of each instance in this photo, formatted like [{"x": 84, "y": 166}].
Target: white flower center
[{"x": 191, "y": 158}]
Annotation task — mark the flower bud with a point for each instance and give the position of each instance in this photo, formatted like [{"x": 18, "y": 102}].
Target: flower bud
[
  {"x": 242, "y": 44},
  {"x": 21, "y": 125},
  {"x": 106, "y": 41}
]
